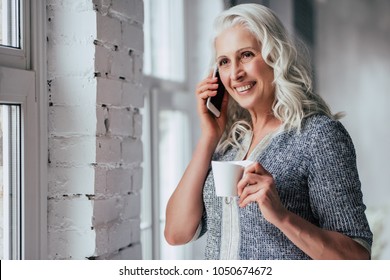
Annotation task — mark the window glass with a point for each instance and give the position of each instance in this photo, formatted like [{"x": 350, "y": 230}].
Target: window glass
[
  {"x": 173, "y": 146},
  {"x": 10, "y": 181},
  {"x": 10, "y": 23},
  {"x": 164, "y": 39},
  {"x": 164, "y": 60}
]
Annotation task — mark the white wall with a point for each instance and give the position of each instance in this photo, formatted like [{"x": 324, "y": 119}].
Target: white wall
[
  {"x": 353, "y": 71},
  {"x": 95, "y": 50}
]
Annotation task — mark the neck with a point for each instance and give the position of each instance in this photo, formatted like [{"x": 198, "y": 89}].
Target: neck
[
  {"x": 264, "y": 123},
  {"x": 261, "y": 128}
]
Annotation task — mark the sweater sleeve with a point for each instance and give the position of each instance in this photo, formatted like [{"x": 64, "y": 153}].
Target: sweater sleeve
[{"x": 334, "y": 186}]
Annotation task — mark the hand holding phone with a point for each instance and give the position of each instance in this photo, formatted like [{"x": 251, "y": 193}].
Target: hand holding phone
[{"x": 214, "y": 103}]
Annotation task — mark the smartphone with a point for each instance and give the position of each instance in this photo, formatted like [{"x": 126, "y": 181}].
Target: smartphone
[{"x": 214, "y": 103}]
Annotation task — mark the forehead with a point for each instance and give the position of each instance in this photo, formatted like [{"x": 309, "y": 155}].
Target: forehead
[{"x": 233, "y": 39}]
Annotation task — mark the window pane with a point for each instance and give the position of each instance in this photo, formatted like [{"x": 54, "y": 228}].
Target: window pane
[
  {"x": 164, "y": 39},
  {"x": 10, "y": 23},
  {"x": 10, "y": 181},
  {"x": 174, "y": 129}
]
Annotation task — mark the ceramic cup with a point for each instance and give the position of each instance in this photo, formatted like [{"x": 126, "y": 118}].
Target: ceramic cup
[{"x": 226, "y": 176}]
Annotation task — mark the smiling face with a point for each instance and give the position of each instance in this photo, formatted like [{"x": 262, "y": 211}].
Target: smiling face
[{"x": 246, "y": 76}]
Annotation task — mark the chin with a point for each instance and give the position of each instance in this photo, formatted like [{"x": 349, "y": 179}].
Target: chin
[{"x": 246, "y": 104}]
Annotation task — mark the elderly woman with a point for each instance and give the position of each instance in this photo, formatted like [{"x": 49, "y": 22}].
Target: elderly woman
[{"x": 301, "y": 198}]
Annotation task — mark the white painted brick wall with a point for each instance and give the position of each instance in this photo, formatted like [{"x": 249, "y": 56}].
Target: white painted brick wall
[
  {"x": 71, "y": 180},
  {"x": 71, "y": 151},
  {"x": 110, "y": 92},
  {"x": 95, "y": 50},
  {"x": 72, "y": 90},
  {"x": 65, "y": 120}
]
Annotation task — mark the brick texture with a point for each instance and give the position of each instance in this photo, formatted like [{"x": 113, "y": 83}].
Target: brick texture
[{"x": 95, "y": 50}]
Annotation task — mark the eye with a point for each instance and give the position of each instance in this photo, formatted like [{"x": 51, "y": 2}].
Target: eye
[
  {"x": 223, "y": 62},
  {"x": 247, "y": 55}
]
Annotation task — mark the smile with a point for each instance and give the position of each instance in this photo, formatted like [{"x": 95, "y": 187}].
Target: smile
[{"x": 245, "y": 88}]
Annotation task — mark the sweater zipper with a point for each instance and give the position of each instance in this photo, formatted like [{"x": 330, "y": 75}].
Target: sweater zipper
[{"x": 228, "y": 201}]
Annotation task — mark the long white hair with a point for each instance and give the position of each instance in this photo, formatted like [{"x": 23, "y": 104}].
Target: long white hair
[{"x": 294, "y": 96}]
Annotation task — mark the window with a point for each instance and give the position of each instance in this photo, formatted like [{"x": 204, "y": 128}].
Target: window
[
  {"x": 19, "y": 178},
  {"x": 174, "y": 150},
  {"x": 177, "y": 55},
  {"x": 23, "y": 130},
  {"x": 164, "y": 39},
  {"x": 10, "y": 23},
  {"x": 10, "y": 184},
  {"x": 164, "y": 67},
  {"x": 15, "y": 33}
]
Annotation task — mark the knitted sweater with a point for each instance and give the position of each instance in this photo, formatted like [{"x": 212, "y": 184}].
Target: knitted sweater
[{"x": 316, "y": 177}]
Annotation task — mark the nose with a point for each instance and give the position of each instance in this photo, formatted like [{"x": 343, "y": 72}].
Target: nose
[{"x": 236, "y": 71}]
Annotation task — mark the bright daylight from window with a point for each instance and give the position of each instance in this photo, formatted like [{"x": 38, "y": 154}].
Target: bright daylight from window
[
  {"x": 10, "y": 180},
  {"x": 10, "y": 23}
]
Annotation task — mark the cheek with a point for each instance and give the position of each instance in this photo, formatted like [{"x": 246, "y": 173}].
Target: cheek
[
  {"x": 256, "y": 69},
  {"x": 224, "y": 76},
  {"x": 266, "y": 71},
  {"x": 261, "y": 70}
]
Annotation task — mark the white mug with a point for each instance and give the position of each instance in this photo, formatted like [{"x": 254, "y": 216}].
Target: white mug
[{"x": 226, "y": 175}]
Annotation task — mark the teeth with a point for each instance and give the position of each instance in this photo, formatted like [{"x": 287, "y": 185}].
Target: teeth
[{"x": 244, "y": 88}]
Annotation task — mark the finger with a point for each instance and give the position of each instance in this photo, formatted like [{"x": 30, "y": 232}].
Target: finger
[
  {"x": 254, "y": 197},
  {"x": 207, "y": 87},
  {"x": 248, "y": 190},
  {"x": 209, "y": 80},
  {"x": 207, "y": 94},
  {"x": 257, "y": 168},
  {"x": 248, "y": 179}
]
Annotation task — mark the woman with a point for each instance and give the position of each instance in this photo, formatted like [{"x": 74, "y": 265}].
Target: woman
[{"x": 301, "y": 198}]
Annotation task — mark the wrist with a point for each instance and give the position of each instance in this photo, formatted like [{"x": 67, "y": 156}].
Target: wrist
[
  {"x": 283, "y": 219},
  {"x": 208, "y": 142}
]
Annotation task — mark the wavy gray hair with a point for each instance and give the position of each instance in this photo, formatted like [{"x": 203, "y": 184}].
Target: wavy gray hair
[{"x": 294, "y": 96}]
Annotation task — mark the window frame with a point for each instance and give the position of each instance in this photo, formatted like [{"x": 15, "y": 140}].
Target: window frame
[
  {"x": 11, "y": 149},
  {"x": 31, "y": 96}
]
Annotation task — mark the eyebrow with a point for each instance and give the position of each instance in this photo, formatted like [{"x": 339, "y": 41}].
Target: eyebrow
[{"x": 237, "y": 51}]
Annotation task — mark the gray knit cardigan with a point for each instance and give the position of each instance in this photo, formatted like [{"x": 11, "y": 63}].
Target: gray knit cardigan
[{"x": 316, "y": 177}]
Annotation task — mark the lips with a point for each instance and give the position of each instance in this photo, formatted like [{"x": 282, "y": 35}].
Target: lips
[{"x": 244, "y": 88}]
